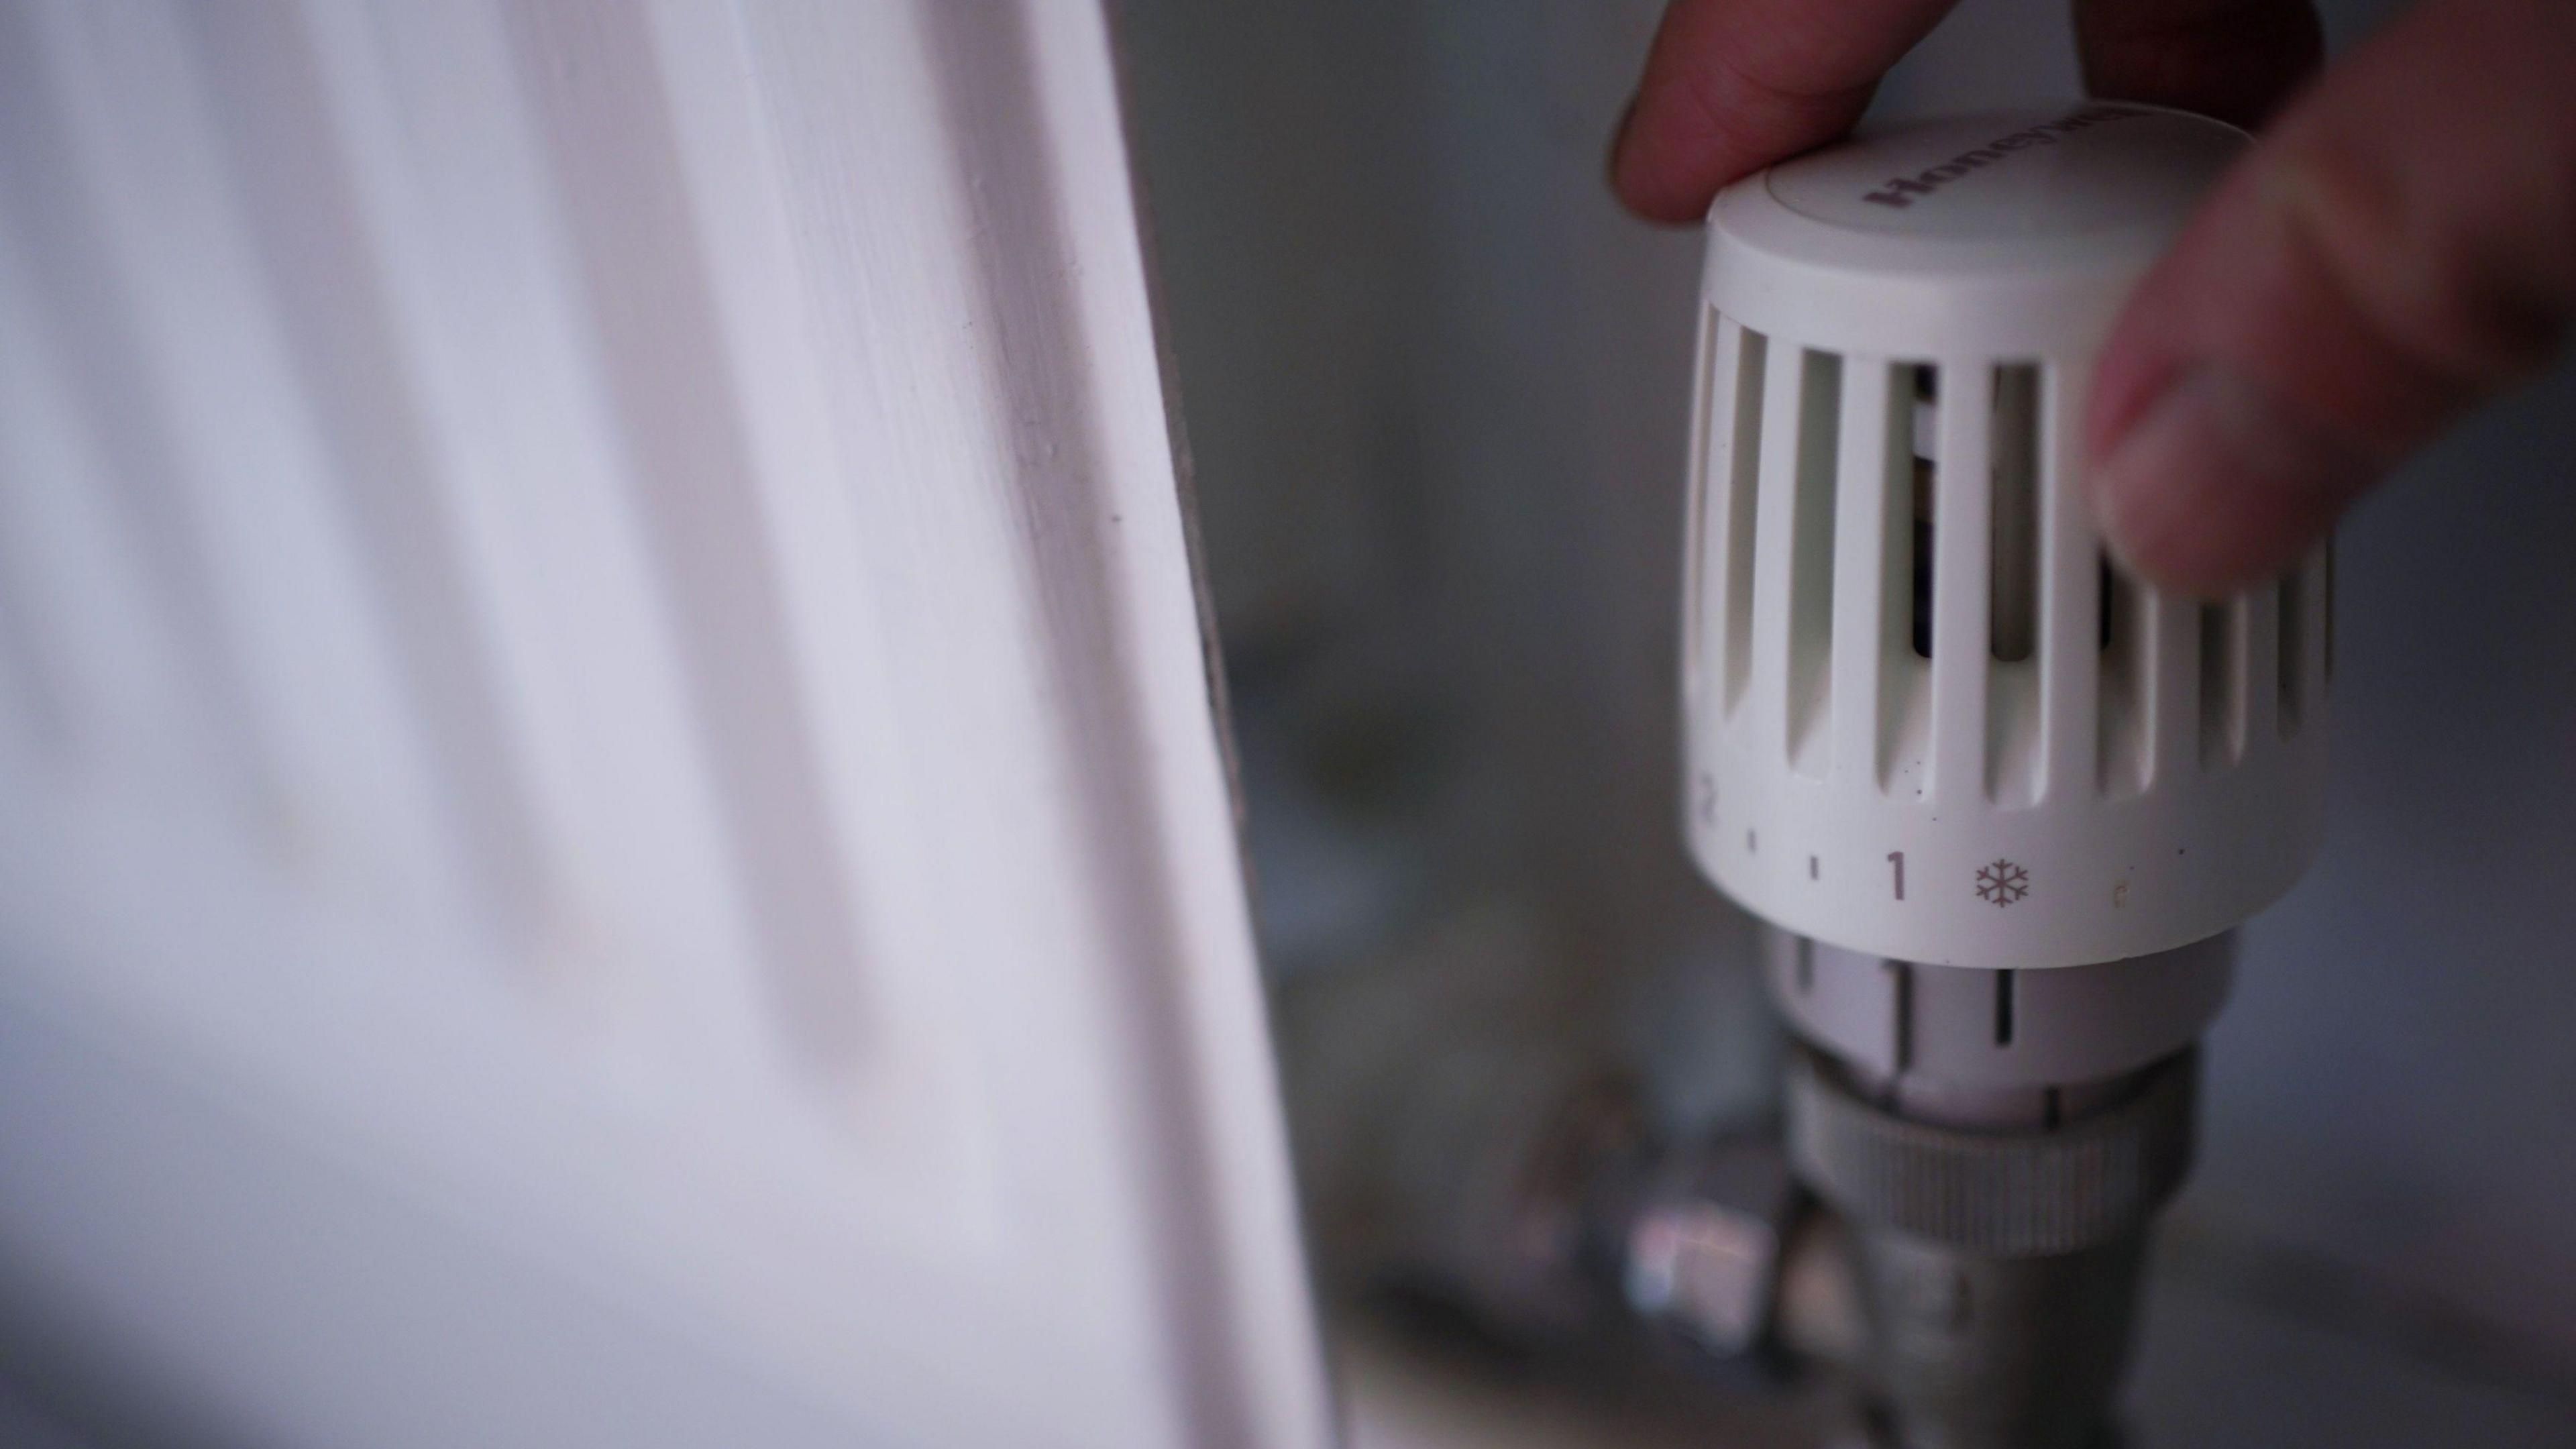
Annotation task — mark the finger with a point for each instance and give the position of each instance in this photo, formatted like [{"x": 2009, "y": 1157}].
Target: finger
[
  {"x": 2233, "y": 59},
  {"x": 1731, "y": 86},
  {"x": 2402, "y": 246}
]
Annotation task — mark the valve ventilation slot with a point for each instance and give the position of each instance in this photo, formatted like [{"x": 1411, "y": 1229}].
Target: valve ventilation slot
[
  {"x": 2222, "y": 703},
  {"x": 2126, "y": 684},
  {"x": 2015, "y": 405},
  {"x": 1923, "y": 427},
  {"x": 1837, "y": 494},
  {"x": 1741, "y": 382},
  {"x": 2012, "y": 609},
  {"x": 1893, "y": 513},
  {"x": 1695, "y": 570},
  {"x": 1811, "y": 560}
]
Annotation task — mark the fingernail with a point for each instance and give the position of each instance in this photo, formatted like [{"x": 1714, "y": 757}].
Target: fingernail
[{"x": 2216, "y": 486}]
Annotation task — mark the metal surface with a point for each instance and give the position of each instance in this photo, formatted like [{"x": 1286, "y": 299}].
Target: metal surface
[
  {"x": 1998, "y": 1271},
  {"x": 1708, "y": 1245},
  {"x": 2007, "y": 1194},
  {"x": 1978, "y": 1352}
]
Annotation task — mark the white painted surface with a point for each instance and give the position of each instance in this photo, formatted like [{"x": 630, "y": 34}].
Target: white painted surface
[{"x": 615, "y": 829}]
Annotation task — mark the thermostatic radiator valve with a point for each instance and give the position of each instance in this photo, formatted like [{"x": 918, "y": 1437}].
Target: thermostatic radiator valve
[{"x": 2001, "y": 802}]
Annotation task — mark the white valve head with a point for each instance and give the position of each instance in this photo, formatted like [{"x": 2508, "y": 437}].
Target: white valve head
[{"x": 1926, "y": 718}]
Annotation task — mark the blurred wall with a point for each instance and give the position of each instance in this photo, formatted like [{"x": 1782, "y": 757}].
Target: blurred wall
[{"x": 1427, "y": 376}]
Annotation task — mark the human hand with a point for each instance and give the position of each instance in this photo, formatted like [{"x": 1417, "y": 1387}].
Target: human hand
[{"x": 2399, "y": 244}]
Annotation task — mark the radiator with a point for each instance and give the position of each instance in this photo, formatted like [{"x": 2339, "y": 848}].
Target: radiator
[{"x": 613, "y": 823}]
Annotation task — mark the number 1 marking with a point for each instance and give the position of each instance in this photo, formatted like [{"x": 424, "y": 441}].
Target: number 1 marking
[{"x": 1897, "y": 858}]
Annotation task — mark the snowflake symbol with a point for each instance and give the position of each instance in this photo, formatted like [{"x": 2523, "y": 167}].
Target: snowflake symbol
[{"x": 2002, "y": 882}]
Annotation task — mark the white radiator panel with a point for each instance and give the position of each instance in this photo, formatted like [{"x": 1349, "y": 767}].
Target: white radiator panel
[{"x": 600, "y": 648}]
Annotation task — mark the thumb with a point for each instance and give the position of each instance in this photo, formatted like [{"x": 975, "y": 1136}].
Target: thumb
[{"x": 2401, "y": 246}]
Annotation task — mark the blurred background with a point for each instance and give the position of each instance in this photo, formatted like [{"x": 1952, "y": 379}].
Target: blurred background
[
  {"x": 1433, "y": 386},
  {"x": 1436, "y": 390}
]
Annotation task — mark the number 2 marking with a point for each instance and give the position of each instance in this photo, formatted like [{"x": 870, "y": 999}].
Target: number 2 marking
[{"x": 1896, "y": 858}]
